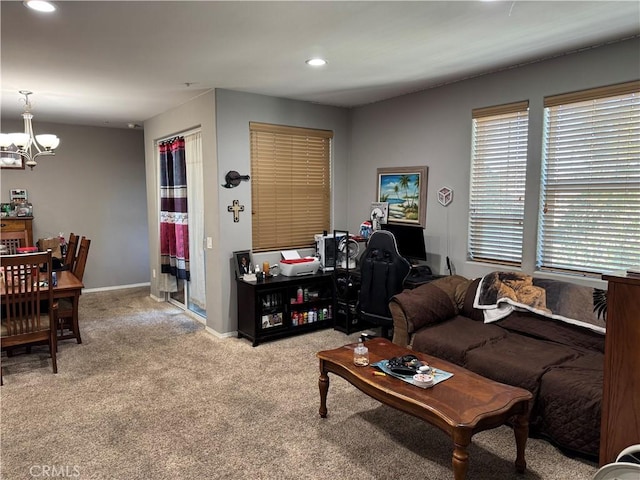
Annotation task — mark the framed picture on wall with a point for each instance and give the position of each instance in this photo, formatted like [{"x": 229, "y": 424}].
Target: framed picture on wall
[
  {"x": 11, "y": 160},
  {"x": 405, "y": 190},
  {"x": 242, "y": 262}
]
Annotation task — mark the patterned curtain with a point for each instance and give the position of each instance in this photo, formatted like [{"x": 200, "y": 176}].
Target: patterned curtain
[{"x": 174, "y": 221}]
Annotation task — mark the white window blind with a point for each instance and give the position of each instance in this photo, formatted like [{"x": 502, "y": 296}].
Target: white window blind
[
  {"x": 290, "y": 185},
  {"x": 589, "y": 217},
  {"x": 497, "y": 186}
]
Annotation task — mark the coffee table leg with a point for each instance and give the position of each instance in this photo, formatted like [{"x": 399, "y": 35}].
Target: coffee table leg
[
  {"x": 521, "y": 431},
  {"x": 323, "y": 384},
  {"x": 460, "y": 460}
]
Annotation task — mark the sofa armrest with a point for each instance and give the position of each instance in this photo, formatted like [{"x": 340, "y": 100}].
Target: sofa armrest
[
  {"x": 400, "y": 325},
  {"x": 425, "y": 305}
]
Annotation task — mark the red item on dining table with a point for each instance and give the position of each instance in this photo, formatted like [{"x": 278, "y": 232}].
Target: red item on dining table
[{"x": 27, "y": 249}]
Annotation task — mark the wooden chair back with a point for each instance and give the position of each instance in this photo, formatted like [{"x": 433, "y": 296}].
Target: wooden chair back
[
  {"x": 29, "y": 314},
  {"x": 14, "y": 240},
  {"x": 81, "y": 259},
  {"x": 72, "y": 248}
]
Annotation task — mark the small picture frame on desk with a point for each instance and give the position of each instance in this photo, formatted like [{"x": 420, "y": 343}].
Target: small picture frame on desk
[{"x": 242, "y": 262}]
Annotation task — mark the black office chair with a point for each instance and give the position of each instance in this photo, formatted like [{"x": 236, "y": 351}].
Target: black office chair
[{"x": 382, "y": 273}]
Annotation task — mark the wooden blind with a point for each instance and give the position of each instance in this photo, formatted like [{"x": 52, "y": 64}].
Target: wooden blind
[
  {"x": 290, "y": 185},
  {"x": 497, "y": 184},
  {"x": 589, "y": 219}
]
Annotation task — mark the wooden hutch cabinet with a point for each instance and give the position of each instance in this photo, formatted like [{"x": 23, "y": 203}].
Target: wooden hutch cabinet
[
  {"x": 620, "y": 425},
  {"x": 17, "y": 224}
]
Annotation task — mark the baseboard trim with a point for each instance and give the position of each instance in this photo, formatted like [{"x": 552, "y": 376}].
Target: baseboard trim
[
  {"x": 220, "y": 335},
  {"x": 116, "y": 287}
]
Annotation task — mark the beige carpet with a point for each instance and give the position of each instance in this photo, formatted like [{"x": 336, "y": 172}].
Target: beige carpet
[{"x": 149, "y": 394}]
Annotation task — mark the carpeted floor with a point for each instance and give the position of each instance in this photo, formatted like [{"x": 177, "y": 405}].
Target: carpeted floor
[{"x": 149, "y": 394}]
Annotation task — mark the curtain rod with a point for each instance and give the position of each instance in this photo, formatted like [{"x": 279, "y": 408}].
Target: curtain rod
[{"x": 180, "y": 134}]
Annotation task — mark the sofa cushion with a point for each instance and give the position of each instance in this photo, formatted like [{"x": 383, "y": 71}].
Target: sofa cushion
[
  {"x": 450, "y": 340},
  {"x": 418, "y": 312},
  {"x": 450, "y": 285},
  {"x": 570, "y": 402},
  {"x": 467, "y": 308},
  {"x": 553, "y": 330},
  {"x": 573, "y": 302},
  {"x": 518, "y": 360}
]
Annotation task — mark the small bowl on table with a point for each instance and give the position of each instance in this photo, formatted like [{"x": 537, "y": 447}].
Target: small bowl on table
[{"x": 423, "y": 379}]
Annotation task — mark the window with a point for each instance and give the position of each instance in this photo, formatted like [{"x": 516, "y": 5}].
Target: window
[
  {"x": 498, "y": 174},
  {"x": 290, "y": 185},
  {"x": 589, "y": 216}
]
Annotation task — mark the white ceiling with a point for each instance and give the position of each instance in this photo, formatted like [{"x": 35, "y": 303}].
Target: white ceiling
[{"x": 114, "y": 63}]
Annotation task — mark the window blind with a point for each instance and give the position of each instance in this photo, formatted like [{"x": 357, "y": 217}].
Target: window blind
[
  {"x": 290, "y": 185},
  {"x": 589, "y": 217},
  {"x": 497, "y": 186}
]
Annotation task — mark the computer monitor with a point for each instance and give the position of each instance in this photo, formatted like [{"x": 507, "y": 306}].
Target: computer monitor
[{"x": 410, "y": 241}]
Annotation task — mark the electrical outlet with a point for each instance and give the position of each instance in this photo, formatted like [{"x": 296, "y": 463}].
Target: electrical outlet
[
  {"x": 153, "y": 272},
  {"x": 209, "y": 242}
]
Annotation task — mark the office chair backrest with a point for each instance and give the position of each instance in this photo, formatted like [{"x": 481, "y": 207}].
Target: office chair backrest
[{"x": 383, "y": 271}]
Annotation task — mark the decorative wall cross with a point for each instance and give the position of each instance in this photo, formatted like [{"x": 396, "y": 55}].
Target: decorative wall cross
[{"x": 236, "y": 208}]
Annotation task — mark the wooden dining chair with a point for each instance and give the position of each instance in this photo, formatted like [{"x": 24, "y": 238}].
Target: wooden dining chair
[
  {"x": 68, "y": 326},
  {"x": 72, "y": 247},
  {"x": 29, "y": 313},
  {"x": 14, "y": 240},
  {"x": 81, "y": 258}
]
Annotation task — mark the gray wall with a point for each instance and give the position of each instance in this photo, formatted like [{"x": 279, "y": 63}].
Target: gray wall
[
  {"x": 93, "y": 186},
  {"x": 433, "y": 128},
  {"x": 103, "y": 182},
  {"x": 234, "y": 111}
]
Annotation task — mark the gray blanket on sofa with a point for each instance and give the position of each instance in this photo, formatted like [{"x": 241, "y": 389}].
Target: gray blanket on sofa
[{"x": 500, "y": 293}]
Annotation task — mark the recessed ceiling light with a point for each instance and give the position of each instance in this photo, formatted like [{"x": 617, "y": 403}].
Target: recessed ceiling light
[
  {"x": 316, "y": 62},
  {"x": 40, "y": 5}
]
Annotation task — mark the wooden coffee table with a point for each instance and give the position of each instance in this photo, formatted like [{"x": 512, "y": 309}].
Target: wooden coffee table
[{"x": 460, "y": 406}]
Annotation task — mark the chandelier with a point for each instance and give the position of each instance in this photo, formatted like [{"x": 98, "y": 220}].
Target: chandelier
[{"x": 27, "y": 144}]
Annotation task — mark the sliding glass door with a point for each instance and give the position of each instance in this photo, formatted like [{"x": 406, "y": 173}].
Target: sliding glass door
[{"x": 191, "y": 294}]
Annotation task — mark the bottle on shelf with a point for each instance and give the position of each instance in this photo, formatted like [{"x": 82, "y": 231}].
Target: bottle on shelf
[{"x": 299, "y": 294}]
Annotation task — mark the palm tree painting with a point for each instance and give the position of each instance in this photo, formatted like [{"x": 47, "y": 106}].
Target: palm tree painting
[{"x": 405, "y": 190}]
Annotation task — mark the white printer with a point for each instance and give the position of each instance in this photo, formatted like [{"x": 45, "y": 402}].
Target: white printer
[{"x": 292, "y": 265}]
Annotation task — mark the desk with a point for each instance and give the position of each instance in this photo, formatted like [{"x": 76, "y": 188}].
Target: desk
[
  {"x": 413, "y": 281},
  {"x": 69, "y": 287}
]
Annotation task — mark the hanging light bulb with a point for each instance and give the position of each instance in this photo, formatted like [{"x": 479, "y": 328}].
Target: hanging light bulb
[{"x": 28, "y": 145}]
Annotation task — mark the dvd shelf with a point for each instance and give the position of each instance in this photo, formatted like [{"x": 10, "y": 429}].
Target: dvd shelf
[{"x": 282, "y": 306}]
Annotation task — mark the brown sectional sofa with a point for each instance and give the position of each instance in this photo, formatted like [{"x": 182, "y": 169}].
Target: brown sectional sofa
[{"x": 561, "y": 364}]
